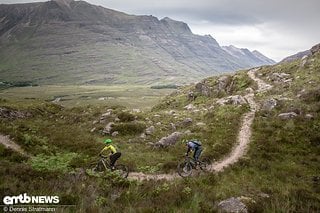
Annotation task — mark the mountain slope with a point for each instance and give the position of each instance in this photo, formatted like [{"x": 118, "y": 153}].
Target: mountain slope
[
  {"x": 65, "y": 41},
  {"x": 246, "y": 56}
]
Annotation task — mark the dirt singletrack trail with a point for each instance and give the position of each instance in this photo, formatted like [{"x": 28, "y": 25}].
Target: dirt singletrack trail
[
  {"x": 243, "y": 138},
  {"x": 9, "y": 144}
]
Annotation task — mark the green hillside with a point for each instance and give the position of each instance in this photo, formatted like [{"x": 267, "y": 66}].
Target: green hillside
[{"x": 279, "y": 172}]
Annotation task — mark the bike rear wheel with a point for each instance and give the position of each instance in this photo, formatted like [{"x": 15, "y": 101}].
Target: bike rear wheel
[
  {"x": 122, "y": 170},
  {"x": 184, "y": 169}
]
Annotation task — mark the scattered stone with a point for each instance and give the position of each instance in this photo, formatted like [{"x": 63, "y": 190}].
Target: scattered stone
[
  {"x": 232, "y": 205},
  {"x": 269, "y": 105},
  {"x": 143, "y": 135},
  {"x": 234, "y": 100},
  {"x": 169, "y": 140},
  {"x": 309, "y": 116},
  {"x": 201, "y": 124},
  {"x": 279, "y": 77},
  {"x": 173, "y": 126},
  {"x": 187, "y": 132},
  {"x": 93, "y": 129},
  {"x": 187, "y": 121},
  {"x": 136, "y": 110},
  {"x": 115, "y": 133},
  {"x": 157, "y": 116},
  {"x": 159, "y": 124},
  {"x": 249, "y": 90},
  {"x": 150, "y": 130},
  {"x": 264, "y": 195},
  {"x": 171, "y": 112},
  {"x": 191, "y": 96},
  {"x": 189, "y": 107},
  {"x": 287, "y": 115},
  {"x": 106, "y": 114},
  {"x": 117, "y": 119},
  {"x": 95, "y": 122}
]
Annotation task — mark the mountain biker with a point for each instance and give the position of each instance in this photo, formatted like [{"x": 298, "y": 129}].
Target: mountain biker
[
  {"x": 114, "y": 156},
  {"x": 194, "y": 145}
]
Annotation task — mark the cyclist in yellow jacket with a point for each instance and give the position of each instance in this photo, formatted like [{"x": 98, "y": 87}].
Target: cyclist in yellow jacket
[{"x": 114, "y": 156}]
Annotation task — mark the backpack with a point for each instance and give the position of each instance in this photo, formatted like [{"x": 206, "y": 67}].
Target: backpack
[{"x": 196, "y": 142}]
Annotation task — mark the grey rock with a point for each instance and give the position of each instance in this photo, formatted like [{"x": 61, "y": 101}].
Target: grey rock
[
  {"x": 115, "y": 133},
  {"x": 223, "y": 83},
  {"x": 269, "y": 105},
  {"x": 108, "y": 128},
  {"x": 169, "y": 140},
  {"x": 234, "y": 100},
  {"x": 287, "y": 115},
  {"x": 93, "y": 129},
  {"x": 315, "y": 49},
  {"x": 189, "y": 107},
  {"x": 187, "y": 121},
  {"x": 309, "y": 116},
  {"x": 201, "y": 124},
  {"x": 203, "y": 88},
  {"x": 116, "y": 119},
  {"x": 173, "y": 126},
  {"x": 95, "y": 122},
  {"x": 232, "y": 205},
  {"x": 150, "y": 130},
  {"x": 143, "y": 135}
]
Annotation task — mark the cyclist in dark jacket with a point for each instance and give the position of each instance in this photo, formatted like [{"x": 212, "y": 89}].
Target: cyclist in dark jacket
[{"x": 195, "y": 146}]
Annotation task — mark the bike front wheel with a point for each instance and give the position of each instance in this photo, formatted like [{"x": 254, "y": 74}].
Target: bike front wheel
[
  {"x": 184, "y": 169},
  {"x": 98, "y": 167},
  {"x": 122, "y": 170}
]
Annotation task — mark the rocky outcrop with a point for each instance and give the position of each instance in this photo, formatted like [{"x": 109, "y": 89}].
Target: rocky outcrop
[
  {"x": 204, "y": 88},
  {"x": 315, "y": 49},
  {"x": 169, "y": 140}
]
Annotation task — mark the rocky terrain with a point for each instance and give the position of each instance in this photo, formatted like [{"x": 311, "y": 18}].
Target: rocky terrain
[{"x": 62, "y": 41}]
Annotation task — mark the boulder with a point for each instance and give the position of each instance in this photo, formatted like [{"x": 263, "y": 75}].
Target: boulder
[
  {"x": 287, "y": 115},
  {"x": 280, "y": 77},
  {"x": 203, "y": 88},
  {"x": 223, "y": 83},
  {"x": 169, "y": 140},
  {"x": 232, "y": 205}
]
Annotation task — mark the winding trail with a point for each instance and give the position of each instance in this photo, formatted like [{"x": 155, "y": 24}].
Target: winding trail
[
  {"x": 238, "y": 151},
  {"x": 243, "y": 138}
]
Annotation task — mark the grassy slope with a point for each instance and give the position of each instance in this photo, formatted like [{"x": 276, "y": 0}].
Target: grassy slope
[{"x": 282, "y": 162}]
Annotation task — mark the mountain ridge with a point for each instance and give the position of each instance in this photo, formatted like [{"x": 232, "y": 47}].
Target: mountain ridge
[{"x": 76, "y": 42}]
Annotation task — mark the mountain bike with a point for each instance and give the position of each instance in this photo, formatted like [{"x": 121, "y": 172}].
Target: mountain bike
[
  {"x": 185, "y": 168},
  {"x": 104, "y": 165}
]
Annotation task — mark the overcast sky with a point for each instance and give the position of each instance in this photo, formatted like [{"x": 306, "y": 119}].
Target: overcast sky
[{"x": 277, "y": 28}]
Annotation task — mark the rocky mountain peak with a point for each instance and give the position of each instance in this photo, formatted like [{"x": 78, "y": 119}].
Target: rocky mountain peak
[{"x": 177, "y": 26}]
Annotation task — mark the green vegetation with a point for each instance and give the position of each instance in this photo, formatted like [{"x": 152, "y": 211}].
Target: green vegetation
[{"x": 279, "y": 173}]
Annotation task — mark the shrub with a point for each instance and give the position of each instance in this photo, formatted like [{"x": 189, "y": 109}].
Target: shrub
[
  {"x": 126, "y": 117},
  {"x": 59, "y": 162},
  {"x": 129, "y": 128}
]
